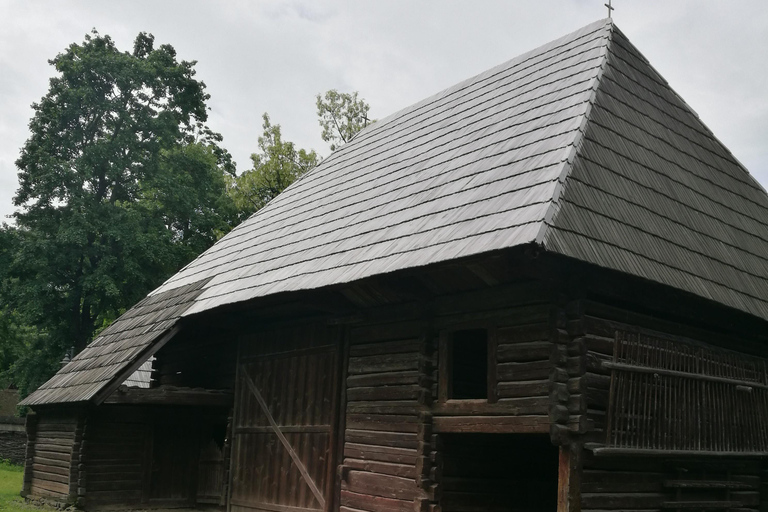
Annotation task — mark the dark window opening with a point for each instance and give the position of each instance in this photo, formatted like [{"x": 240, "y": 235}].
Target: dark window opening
[
  {"x": 498, "y": 473},
  {"x": 469, "y": 364}
]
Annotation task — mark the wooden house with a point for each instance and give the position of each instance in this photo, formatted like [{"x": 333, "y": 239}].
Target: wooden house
[{"x": 543, "y": 288}]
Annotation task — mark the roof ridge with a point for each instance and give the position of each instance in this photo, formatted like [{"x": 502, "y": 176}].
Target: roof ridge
[{"x": 575, "y": 145}]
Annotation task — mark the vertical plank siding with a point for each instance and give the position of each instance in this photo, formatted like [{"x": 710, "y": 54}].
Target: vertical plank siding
[{"x": 294, "y": 371}]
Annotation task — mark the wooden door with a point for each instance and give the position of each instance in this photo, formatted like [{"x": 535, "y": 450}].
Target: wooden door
[{"x": 283, "y": 432}]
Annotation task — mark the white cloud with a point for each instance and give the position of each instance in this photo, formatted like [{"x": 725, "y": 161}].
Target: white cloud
[{"x": 274, "y": 56}]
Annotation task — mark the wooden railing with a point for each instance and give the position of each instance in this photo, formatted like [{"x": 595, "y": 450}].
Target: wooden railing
[{"x": 670, "y": 395}]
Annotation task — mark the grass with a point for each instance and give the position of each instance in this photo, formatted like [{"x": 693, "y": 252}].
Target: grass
[{"x": 10, "y": 485}]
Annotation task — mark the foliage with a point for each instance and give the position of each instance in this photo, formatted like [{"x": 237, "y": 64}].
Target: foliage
[
  {"x": 121, "y": 184},
  {"x": 341, "y": 116},
  {"x": 276, "y": 165}
]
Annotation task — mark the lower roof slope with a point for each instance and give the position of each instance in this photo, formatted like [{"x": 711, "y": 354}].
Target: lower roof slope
[{"x": 579, "y": 146}]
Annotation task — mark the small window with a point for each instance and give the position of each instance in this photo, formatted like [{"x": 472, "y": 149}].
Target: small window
[{"x": 468, "y": 368}]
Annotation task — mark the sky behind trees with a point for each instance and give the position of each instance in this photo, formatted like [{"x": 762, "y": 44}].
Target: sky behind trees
[{"x": 275, "y": 56}]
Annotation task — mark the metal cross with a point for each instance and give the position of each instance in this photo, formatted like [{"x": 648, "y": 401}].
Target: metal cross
[
  {"x": 608, "y": 5},
  {"x": 365, "y": 116}
]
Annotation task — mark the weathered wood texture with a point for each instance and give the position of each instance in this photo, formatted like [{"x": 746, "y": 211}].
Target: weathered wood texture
[
  {"x": 50, "y": 467},
  {"x": 387, "y": 422},
  {"x": 284, "y": 425},
  {"x": 116, "y": 463},
  {"x": 671, "y": 407},
  {"x": 612, "y": 483},
  {"x": 498, "y": 473},
  {"x": 669, "y": 394},
  {"x": 522, "y": 337}
]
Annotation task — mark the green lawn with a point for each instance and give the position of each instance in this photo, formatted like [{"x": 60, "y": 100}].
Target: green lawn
[{"x": 10, "y": 485}]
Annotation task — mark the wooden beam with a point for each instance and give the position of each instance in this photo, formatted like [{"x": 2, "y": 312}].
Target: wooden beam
[
  {"x": 296, "y": 460},
  {"x": 169, "y": 395},
  {"x": 608, "y": 451},
  {"x": 569, "y": 479},
  {"x": 685, "y": 375}
]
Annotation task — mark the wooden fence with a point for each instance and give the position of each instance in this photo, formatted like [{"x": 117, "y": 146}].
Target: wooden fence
[{"x": 674, "y": 395}]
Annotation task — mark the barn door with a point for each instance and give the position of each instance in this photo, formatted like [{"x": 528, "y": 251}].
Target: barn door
[{"x": 283, "y": 435}]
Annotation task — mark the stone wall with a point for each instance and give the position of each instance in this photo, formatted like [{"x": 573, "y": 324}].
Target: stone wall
[{"x": 13, "y": 440}]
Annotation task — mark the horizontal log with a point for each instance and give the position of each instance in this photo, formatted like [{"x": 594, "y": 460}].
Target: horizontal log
[
  {"x": 532, "y": 370},
  {"x": 384, "y": 363},
  {"x": 385, "y": 422},
  {"x": 126, "y": 483},
  {"x": 362, "y": 501},
  {"x": 386, "y": 486},
  {"x": 746, "y": 498},
  {"x": 382, "y": 332},
  {"x": 705, "y": 484},
  {"x": 387, "y": 347},
  {"x": 380, "y": 453},
  {"x": 50, "y": 477},
  {"x": 54, "y": 469},
  {"x": 503, "y": 407},
  {"x": 702, "y": 505},
  {"x": 53, "y": 448},
  {"x": 384, "y": 379},
  {"x": 412, "y": 392},
  {"x": 385, "y": 468},
  {"x": 397, "y": 407},
  {"x": 56, "y": 488},
  {"x": 62, "y": 462},
  {"x": 375, "y": 437},
  {"x": 522, "y": 352},
  {"x": 491, "y": 424},
  {"x": 614, "y": 481},
  {"x": 521, "y": 389},
  {"x": 622, "y": 501},
  {"x": 524, "y": 334}
]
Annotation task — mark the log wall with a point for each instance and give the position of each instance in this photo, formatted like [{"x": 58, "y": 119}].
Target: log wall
[
  {"x": 651, "y": 483},
  {"x": 521, "y": 321},
  {"x": 654, "y": 484},
  {"x": 116, "y": 456},
  {"x": 386, "y": 449},
  {"x": 53, "y": 455}
]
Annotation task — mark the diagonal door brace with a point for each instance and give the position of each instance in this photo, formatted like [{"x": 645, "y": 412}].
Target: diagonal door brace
[{"x": 281, "y": 437}]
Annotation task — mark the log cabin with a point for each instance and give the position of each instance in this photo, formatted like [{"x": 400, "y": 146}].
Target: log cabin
[{"x": 544, "y": 288}]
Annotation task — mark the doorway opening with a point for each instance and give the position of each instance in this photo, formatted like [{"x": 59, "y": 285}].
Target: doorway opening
[{"x": 499, "y": 473}]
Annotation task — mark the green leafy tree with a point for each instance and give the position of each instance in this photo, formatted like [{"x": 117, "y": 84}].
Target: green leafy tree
[
  {"x": 121, "y": 184},
  {"x": 341, "y": 116},
  {"x": 276, "y": 165}
]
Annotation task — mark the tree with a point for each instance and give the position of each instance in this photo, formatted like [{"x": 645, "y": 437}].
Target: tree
[
  {"x": 121, "y": 184},
  {"x": 276, "y": 165},
  {"x": 341, "y": 116}
]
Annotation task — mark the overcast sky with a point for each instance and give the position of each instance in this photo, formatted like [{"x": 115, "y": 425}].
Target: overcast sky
[{"x": 275, "y": 56}]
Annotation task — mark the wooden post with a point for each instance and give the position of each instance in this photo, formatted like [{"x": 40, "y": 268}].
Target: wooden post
[
  {"x": 569, "y": 478},
  {"x": 31, "y": 424}
]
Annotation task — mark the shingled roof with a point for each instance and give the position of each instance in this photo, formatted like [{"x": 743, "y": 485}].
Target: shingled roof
[{"x": 578, "y": 146}]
